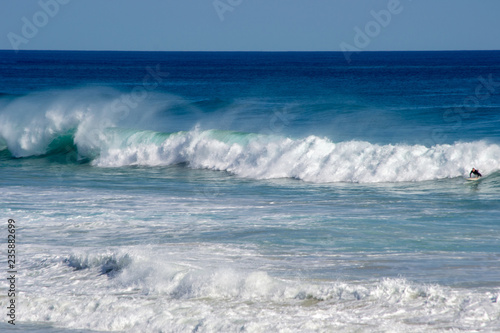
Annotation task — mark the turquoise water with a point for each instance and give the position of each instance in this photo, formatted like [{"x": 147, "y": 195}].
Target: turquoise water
[{"x": 252, "y": 191}]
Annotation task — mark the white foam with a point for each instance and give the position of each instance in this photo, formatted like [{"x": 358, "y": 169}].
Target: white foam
[
  {"x": 311, "y": 159},
  {"x": 170, "y": 289},
  {"x": 29, "y": 124}
]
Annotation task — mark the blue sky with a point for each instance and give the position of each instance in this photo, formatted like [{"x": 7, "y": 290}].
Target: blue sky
[{"x": 250, "y": 25}]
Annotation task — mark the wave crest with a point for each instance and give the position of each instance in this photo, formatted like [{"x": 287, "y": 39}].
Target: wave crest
[
  {"x": 86, "y": 123},
  {"x": 312, "y": 159}
]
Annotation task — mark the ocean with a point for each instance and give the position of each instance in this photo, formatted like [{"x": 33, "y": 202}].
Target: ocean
[{"x": 249, "y": 191}]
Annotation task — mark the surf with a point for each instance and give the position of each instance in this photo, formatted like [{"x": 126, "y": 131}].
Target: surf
[
  {"x": 312, "y": 159},
  {"x": 83, "y": 125},
  {"x": 144, "y": 278}
]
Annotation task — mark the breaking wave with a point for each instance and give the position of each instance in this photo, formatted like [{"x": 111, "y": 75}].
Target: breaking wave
[
  {"x": 101, "y": 133},
  {"x": 311, "y": 159}
]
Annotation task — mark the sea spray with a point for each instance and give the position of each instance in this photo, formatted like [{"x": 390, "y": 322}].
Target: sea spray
[{"x": 101, "y": 136}]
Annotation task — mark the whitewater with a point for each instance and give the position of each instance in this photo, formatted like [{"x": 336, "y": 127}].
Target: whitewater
[
  {"x": 97, "y": 133},
  {"x": 251, "y": 192}
]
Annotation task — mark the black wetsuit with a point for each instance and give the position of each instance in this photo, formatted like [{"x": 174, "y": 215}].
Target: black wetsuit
[{"x": 475, "y": 172}]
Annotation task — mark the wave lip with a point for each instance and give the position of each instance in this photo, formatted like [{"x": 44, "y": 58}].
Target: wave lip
[
  {"x": 35, "y": 124},
  {"x": 109, "y": 264},
  {"x": 40, "y": 123}
]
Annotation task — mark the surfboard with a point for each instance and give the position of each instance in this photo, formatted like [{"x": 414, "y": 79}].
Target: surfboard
[{"x": 473, "y": 178}]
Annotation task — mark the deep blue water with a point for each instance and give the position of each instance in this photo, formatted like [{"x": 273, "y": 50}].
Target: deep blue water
[{"x": 217, "y": 191}]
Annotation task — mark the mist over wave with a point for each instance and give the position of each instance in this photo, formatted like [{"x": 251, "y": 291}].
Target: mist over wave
[
  {"x": 33, "y": 124},
  {"x": 100, "y": 127}
]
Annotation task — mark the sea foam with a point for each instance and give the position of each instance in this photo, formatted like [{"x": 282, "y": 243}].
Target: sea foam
[
  {"x": 34, "y": 125},
  {"x": 155, "y": 293},
  {"x": 312, "y": 159}
]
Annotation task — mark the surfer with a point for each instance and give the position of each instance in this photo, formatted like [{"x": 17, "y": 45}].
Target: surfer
[{"x": 475, "y": 172}]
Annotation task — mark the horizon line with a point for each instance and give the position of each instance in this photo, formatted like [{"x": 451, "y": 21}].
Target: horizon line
[{"x": 255, "y": 51}]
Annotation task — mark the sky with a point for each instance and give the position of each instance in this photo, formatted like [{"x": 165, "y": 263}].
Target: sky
[{"x": 250, "y": 25}]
